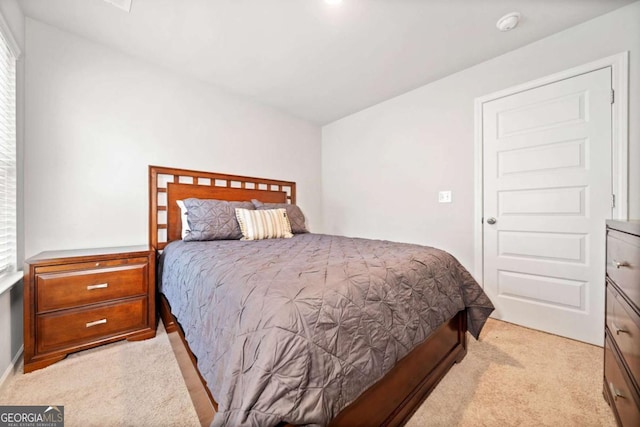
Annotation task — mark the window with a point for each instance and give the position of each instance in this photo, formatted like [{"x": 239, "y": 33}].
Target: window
[{"x": 8, "y": 55}]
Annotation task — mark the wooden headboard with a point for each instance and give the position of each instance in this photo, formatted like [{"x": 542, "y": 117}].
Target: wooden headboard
[{"x": 166, "y": 185}]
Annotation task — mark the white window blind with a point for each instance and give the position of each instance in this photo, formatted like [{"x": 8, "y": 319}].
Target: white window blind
[{"x": 7, "y": 157}]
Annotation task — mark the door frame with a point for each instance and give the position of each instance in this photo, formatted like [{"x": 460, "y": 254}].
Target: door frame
[{"x": 619, "y": 141}]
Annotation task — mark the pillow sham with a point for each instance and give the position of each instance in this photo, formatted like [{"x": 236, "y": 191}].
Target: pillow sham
[
  {"x": 183, "y": 219},
  {"x": 211, "y": 219},
  {"x": 264, "y": 224},
  {"x": 296, "y": 217}
]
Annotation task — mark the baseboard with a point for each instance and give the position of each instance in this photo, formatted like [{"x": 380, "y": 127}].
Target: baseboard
[{"x": 11, "y": 366}]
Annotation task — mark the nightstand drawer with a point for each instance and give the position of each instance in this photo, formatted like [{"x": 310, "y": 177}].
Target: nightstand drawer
[
  {"x": 76, "y": 327},
  {"x": 621, "y": 393},
  {"x": 76, "y": 288},
  {"x": 624, "y": 327},
  {"x": 623, "y": 263},
  {"x": 59, "y": 268}
]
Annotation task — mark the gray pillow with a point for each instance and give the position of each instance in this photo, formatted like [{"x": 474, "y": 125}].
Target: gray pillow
[
  {"x": 213, "y": 219},
  {"x": 296, "y": 217}
]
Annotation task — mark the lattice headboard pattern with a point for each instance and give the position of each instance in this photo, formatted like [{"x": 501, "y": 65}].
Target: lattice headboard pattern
[{"x": 166, "y": 185}]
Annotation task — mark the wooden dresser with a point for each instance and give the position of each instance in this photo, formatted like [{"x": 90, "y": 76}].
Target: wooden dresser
[
  {"x": 622, "y": 328},
  {"x": 74, "y": 300}
]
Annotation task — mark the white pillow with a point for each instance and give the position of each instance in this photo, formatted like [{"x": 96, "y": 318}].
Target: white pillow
[
  {"x": 183, "y": 218},
  {"x": 265, "y": 224}
]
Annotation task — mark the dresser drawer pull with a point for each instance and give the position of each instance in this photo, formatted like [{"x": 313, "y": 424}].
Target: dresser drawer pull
[
  {"x": 619, "y": 330},
  {"x": 615, "y": 392},
  {"x": 96, "y": 323},
  {"x": 619, "y": 264},
  {"x": 98, "y": 286}
]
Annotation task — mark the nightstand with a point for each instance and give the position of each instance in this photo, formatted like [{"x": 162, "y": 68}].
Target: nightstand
[{"x": 78, "y": 299}]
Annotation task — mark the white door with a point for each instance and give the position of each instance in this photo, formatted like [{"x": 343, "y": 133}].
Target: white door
[{"x": 547, "y": 185}]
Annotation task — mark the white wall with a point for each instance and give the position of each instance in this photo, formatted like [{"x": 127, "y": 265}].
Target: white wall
[
  {"x": 382, "y": 167},
  {"x": 11, "y": 300},
  {"x": 97, "y": 118}
]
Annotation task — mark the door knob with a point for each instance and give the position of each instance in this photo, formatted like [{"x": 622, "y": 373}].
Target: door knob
[{"x": 491, "y": 221}]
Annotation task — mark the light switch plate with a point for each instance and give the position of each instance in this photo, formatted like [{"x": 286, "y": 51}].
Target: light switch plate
[{"x": 444, "y": 197}]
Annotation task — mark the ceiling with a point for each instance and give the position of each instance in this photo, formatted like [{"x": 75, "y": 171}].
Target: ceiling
[{"x": 310, "y": 59}]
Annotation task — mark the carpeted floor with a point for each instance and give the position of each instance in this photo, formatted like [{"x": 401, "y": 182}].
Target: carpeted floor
[
  {"x": 512, "y": 377},
  {"x": 122, "y": 384},
  {"x": 516, "y": 376}
]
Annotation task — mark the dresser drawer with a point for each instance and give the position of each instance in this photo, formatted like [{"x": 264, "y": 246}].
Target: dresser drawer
[
  {"x": 75, "y": 288},
  {"x": 621, "y": 395},
  {"x": 623, "y": 263},
  {"x": 75, "y": 327},
  {"x": 624, "y": 326}
]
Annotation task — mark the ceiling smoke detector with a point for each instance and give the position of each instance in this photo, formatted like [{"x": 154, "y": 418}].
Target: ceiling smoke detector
[
  {"x": 121, "y": 4},
  {"x": 508, "y": 22}
]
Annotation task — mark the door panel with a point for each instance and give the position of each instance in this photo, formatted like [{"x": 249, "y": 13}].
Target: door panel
[
  {"x": 543, "y": 158},
  {"x": 551, "y": 246},
  {"x": 547, "y": 182}
]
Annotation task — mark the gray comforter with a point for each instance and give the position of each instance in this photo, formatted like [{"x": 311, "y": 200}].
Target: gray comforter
[{"x": 296, "y": 329}]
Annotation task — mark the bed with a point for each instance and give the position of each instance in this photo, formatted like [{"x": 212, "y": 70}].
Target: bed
[{"x": 312, "y": 330}]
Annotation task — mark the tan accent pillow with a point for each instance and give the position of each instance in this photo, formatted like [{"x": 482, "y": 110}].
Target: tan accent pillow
[{"x": 265, "y": 224}]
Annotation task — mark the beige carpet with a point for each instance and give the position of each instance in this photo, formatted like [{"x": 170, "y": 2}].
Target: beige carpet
[
  {"x": 121, "y": 384},
  {"x": 516, "y": 376},
  {"x": 512, "y": 377}
]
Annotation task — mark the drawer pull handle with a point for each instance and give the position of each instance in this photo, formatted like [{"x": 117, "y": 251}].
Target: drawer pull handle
[
  {"x": 615, "y": 392},
  {"x": 619, "y": 330},
  {"x": 619, "y": 264},
  {"x": 96, "y": 322},
  {"x": 98, "y": 286}
]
